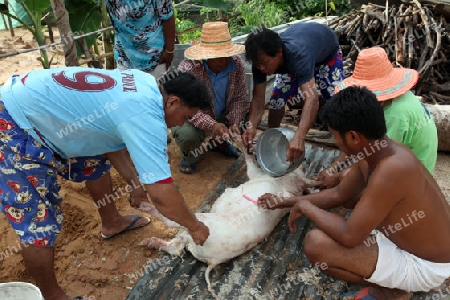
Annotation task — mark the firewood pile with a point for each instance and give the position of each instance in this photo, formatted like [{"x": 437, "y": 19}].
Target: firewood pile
[{"x": 414, "y": 35}]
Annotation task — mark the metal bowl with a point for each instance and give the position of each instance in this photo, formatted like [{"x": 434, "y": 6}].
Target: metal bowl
[{"x": 271, "y": 147}]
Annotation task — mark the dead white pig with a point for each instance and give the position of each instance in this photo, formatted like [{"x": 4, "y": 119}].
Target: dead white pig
[{"x": 235, "y": 223}]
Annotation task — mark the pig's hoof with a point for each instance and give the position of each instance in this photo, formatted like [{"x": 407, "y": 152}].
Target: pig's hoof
[
  {"x": 152, "y": 243},
  {"x": 145, "y": 242}
]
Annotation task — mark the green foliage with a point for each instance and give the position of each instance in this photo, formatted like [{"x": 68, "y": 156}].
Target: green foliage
[
  {"x": 270, "y": 13},
  {"x": 84, "y": 16},
  {"x": 188, "y": 37},
  {"x": 206, "y": 11},
  {"x": 307, "y": 8},
  {"x": 256, "y": 13},
  {"x": 217, "y": 4},
  {"x": 35, "y": 6},
  {"x": 34, "y": 10}
]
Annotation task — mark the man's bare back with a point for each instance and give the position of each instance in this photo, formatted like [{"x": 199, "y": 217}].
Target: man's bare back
[
  {"x": 418, "y": 220},
  {"x": 390, "y": 191}
]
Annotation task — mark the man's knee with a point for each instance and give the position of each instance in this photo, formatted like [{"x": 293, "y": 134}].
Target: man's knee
[
  {"x": 315, "y": 244},
  {"x": 188, "y": 136}
]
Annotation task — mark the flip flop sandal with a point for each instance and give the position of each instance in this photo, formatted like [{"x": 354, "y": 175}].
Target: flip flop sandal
[
  {"x": 295, "y": 117},
  {"x": 186, "y": 168},
  {"x": 362, "y": 294},
  {"x": 129, "y": 227}
]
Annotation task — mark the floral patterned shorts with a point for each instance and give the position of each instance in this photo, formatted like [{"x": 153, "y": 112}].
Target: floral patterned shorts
[
  {"x": 29, "y": 185},
  {"x": 327, "y": 76}
]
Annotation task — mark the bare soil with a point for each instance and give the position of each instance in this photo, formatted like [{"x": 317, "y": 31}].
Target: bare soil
[{"x": 85, "y": 263}]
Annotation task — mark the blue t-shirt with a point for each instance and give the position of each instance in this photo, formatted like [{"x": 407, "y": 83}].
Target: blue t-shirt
[
  {"x": 219, "y": 83},
  {"x": 86, "y": 112},
  {"x": 138, "y": 31},
  {"x": 305, "y": 45}
]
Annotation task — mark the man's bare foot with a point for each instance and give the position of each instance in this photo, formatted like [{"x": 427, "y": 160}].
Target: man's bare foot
[
  {"x": 380, "y": 293},
  {"x": 122, "y": 224}
]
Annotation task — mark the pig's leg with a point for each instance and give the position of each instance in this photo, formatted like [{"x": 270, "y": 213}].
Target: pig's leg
[
  {"x": 253, "y": 170},
  {"x": 208, "y": 270},
  {"x": 309, "y": 183},
  {"x": 151, "y": 209},
  {"x": 174, "y": 247}
]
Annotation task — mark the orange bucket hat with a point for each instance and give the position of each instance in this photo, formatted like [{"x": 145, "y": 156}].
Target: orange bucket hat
[
  {"x": 374, "y": 71},
  {"x": 215, "y": 42}
]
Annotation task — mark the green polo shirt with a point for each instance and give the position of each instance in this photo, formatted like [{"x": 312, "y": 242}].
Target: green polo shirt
[{"x": 409, "y": 122}]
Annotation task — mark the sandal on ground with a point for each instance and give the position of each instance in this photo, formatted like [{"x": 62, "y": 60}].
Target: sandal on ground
[
  {"x": 362, "y": 294},
  {"x": 229, "y": 150},
  {"x": 131, "y": 226},
  {"x": 186, "y": 168}
]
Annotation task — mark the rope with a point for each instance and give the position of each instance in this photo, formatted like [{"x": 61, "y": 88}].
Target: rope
[{"x": 54, "y": 44}]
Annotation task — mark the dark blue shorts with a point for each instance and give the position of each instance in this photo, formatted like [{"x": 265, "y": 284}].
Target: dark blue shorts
[
  {"x": 29, "y": 187},
  {"x": 327, "y": 76}
]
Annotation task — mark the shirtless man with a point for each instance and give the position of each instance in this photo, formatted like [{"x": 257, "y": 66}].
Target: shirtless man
[{"x": 397, "y": 238}]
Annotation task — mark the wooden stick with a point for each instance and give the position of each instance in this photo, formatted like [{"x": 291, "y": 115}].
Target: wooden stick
[
  {"x": 101, "y": 56},
  {"x": 439, "y": 96},
  {"x": 425, "y": 22},
  {"x": 437, "y": 28},
  {"x": 53, "y": 44}
]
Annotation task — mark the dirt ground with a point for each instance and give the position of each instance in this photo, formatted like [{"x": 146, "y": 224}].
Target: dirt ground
[{"x": 85, "y": 263}]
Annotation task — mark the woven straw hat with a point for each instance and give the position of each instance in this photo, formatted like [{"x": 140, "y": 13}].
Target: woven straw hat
[
  {"x": 374, "y": 71},
  {"x": 215, "y": 42}
]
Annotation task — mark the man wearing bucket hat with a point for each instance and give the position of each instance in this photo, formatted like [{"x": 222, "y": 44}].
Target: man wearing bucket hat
[
  {"x": 302, "y": 56},
  {"x": 407, "y": 119},
  {"x": 215, "y": 62},
  {"x": 397, "y": 237}
]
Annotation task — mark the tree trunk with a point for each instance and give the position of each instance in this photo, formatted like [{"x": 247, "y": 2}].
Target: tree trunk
[
  {"x": 441, "y": 116},
  {"x": 62, "y": 21},
  {"x": 108, "y": 38}
]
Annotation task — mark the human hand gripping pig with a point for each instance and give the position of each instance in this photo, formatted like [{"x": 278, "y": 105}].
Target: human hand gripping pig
[
  {"x": 137, "y": 195},
  {"x": 271, "y": 201},
  {"x": 199, "y": 234}
]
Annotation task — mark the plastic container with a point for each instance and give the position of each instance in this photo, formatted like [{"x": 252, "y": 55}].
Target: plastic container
[
  {"x": 19, "y": 291},
  {"x": 271, "y": 147}
]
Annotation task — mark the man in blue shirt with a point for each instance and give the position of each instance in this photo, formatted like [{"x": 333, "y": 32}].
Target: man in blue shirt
[
  {"x": 302, "y": 56},
  {"x": 144, "y": 35},
  {"x": 77, "y": 123}
]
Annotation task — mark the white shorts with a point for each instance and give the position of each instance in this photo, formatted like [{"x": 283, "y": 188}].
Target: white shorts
[{"x": 399, "y": 269}]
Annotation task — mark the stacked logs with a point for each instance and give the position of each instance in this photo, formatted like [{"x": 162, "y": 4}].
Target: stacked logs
[{"x": 414, "y": 36}]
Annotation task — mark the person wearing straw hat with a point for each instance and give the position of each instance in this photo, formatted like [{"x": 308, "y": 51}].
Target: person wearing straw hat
[
  {"x": 396, "y": 239},
  {"x": 304, "y": 57},
  {"x": 216, "y": 62},
  {"x": 407, "y": 119}
]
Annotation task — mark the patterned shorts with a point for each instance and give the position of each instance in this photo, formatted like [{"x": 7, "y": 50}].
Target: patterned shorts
[
  {"x": 29, "y": 185},
  {"x": 327, "y": 75}
]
